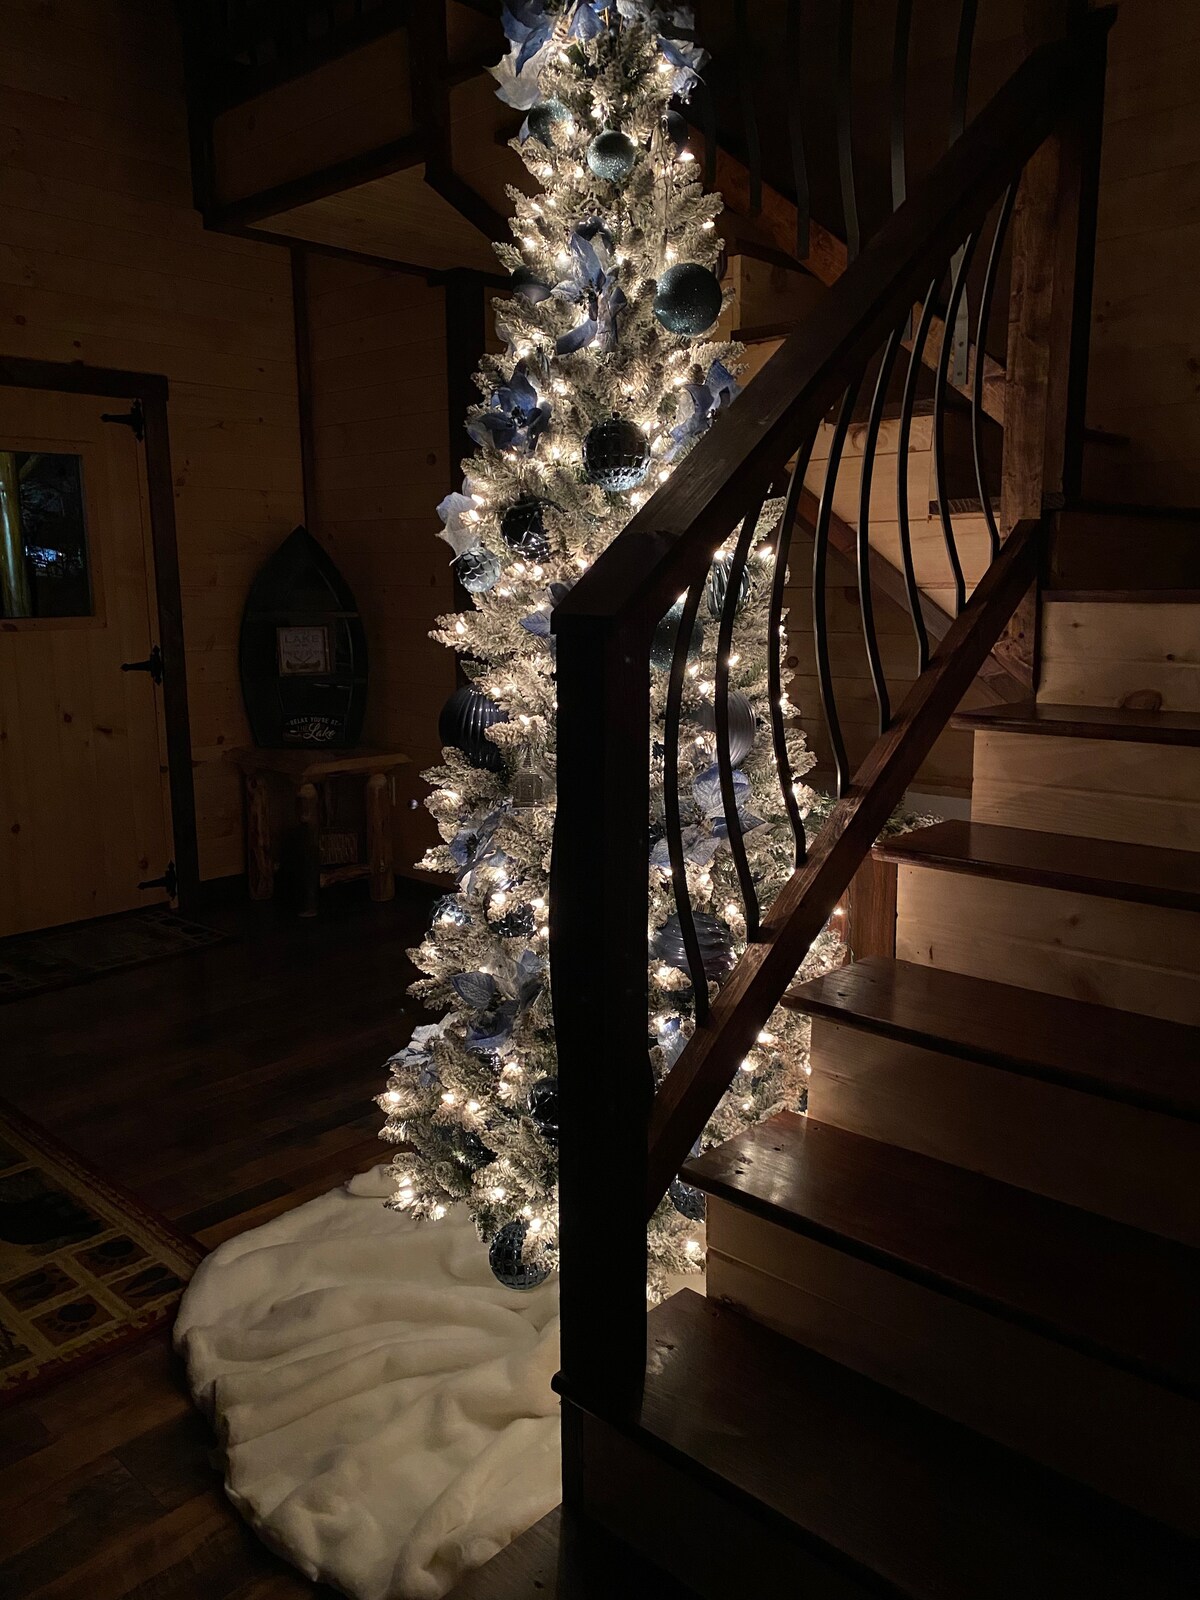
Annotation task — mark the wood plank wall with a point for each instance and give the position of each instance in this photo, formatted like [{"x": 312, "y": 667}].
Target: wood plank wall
[
  {"x": 1145, "y": 364},
  {"x": 381, "y": 464},
  {"x": 104, "y": 261}
]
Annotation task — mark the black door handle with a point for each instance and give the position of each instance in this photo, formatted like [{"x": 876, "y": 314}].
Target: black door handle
[{"x": 153, "y": 664}]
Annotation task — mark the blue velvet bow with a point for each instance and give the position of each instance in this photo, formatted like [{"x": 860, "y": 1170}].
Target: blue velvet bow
[
  {"x": 595, "y": 284},
  {"x": 699, "y": 404},
  {"x": 517, "y": 415}
]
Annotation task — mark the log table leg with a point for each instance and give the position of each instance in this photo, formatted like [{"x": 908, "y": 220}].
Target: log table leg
[
  {"x": 260, "y": 864},
  {"x": 308, "y": 815},
  {"x": 379, "y": 837}
]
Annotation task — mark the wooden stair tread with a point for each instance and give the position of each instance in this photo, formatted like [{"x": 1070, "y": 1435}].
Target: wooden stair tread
[
  {"x": 1139, "y": 1060},
  {"x": 920, "y": 1505},
  {"x": 1137, "y": 872},
  {"x": 1102, "y": 1287},
  {"x": 563, "y": 1557},
  {"x": 1086, "y": 722}
]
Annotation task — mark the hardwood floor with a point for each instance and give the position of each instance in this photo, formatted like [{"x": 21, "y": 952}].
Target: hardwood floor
[{"x": 222, "y": 1087}]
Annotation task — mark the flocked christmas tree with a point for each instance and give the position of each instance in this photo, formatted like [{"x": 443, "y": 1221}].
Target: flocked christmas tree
[{"x": 611, "y": 371}]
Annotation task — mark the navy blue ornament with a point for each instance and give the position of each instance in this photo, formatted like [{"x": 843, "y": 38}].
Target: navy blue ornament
[
  {"x": 616, "y": 454},
  {"x": 450, "y": 913},
  {"x": 611, "y": 155},
  {"x": 543, "y": 1108},
  {"x": 688, "y": 298},
  {"x": 662, "y": 646},
  {"x": 716, "y": 948},
  {"x": 687, "y": 1201},
  {"x": 521, "y": 526},
  {"x": 542, "y": 119},
  {"x": 478, "y": 570},
  {"x": 519, "y": 1259},
  {"x": 529, "y": 286},
  {"x": 718, "y": 586},
  {"x": 463, "y": 725}
]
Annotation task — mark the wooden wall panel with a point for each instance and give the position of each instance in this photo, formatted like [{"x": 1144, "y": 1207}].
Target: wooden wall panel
[
  {"x": 1146, "y": 330},
  {"x": 381, "y": 448},
  {"x": 103, "y": 260}
]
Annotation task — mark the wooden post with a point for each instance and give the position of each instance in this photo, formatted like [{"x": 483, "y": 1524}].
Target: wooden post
[
  {"x": 260, "y": 864},
  {"x": 379, "y": 836},
  {"x": 308, "y": 815},
  {"x": 871, "y": 929},
  {"x": 14, "y": 574}
]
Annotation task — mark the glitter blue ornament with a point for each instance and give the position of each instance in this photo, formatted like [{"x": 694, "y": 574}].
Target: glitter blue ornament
[
  {"x": 662, "y": 646},
  {"x": 519, "y": 1259},
  {"x": 611, "y": 155},
  {"x": 688, "y": 298},
  {"x": 542, "y": 119}
]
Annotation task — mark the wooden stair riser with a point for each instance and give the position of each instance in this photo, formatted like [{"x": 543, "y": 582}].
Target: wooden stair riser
[
  {"x": 1101, "y": 654},
  {"x": 718, "y": 1543},
  {"x": 1098, "y": 788},
  {"x": 765, "y": 294},
  {"x": 1109, "y": 952},
  {"x": 1116, "y": 1431},
  {"x": 1093, "y": 549},
  {"x": 1120, "y": 1161}
]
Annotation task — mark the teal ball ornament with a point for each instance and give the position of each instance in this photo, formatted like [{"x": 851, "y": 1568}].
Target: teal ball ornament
[
  {"x": 688, "y": 299},
  {"x": 616, "y": 454},
  {"x": 463, "y": 725},
  {"x": 518, "y": 1258},
  {"x": 611, "y": 155},
  {"x": 542, "y": 119},
  {"x": 662, "y": 646}
]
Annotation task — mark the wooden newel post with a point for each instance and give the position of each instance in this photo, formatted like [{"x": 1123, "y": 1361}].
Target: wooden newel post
[{"x": 598, "y": 957}]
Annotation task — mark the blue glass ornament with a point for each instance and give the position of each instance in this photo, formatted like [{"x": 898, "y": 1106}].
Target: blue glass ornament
[
  {"x": 478, "y": 570},
  {"x": 519, "y": 1259},
  {"x": 463, "y": 725},
  {"x": 688, "y": 298},
  {"x": 611, "y": 155},
  {"x": 689, "y": 1202},
  {"x": 543, "y": 1108},
  {"x": 521, "y": 526},
  {"x": 616, "y": 454}
]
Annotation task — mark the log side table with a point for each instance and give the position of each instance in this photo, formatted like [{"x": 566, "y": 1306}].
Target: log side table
[{"x": 299, "y": 775}]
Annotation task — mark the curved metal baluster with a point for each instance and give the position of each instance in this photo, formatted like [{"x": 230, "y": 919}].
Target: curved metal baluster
[
  {"x": 746, "y": 87},
  {"x": 845, "y": 127},
  {"x": 820, "y": 558},
  {"x": 674, "y": 823},
  {"x": 783, "y": 540},
  {"x": 958, "y": 120},
  {"x": 796, "y": 131},
  {"x": 900, "y": 101},
  {"x": 985, "y": 309},
  {"x": 733, "y": 820},
  {"x": 957, "y": 299},
  {"x": 906, "y": 416},
  {"x": 866, "y": 603}
]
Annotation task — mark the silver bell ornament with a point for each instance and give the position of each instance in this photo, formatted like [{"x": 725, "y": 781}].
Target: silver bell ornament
[
  {"x": 688, "y": 298},
  {"x": 743, "y": 725},
  {"x": 611, "y": 155}
]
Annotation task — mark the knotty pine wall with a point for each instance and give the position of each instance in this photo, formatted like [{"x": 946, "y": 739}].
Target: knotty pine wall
[
  {"x": 104, "y": 261},
  {"x": 1145, "y": 354},
  {"x": 381, "y": 464}
]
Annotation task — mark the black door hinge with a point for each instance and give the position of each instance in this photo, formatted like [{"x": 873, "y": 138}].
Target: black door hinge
[
  {"x": 153, "y": 664},
  {"x": 169, "y": 881},
  {"x": 134, "y": 418}
]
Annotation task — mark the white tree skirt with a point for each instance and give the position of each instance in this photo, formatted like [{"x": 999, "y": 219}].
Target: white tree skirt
[{"x": 384, "y": 1404}]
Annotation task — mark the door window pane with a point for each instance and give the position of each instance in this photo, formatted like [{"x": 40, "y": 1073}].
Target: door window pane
[{"x": 43, "y": 536}]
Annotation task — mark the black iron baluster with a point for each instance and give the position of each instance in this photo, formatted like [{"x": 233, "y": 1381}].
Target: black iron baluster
[
  {"x": 820, "y": 560},
  {"x": 733, "y": 819},
  {"x": 963, "y": 258},
  {"x": 906, "y": 415},
  {"x": 796, "y": 131},
  {"x": 900, "y": 102},
  {"x": 783, "y": 540},
  {"x": 672, "y": 819},
  {"x": 746, "y": 78},
  {"x": 985, "y": 308},
  {"x": 866, "y": 603},
  {"x": 845, "y": 125},
  {"x": 958, "y": 120}
]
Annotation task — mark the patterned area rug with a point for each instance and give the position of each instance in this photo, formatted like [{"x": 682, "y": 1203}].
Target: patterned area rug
[
  {"x": 59, "y": 957},
  {"x": 84, "y": 1267}
]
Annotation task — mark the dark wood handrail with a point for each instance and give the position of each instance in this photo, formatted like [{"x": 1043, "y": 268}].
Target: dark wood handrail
[{"x": 667, "y": 544}]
